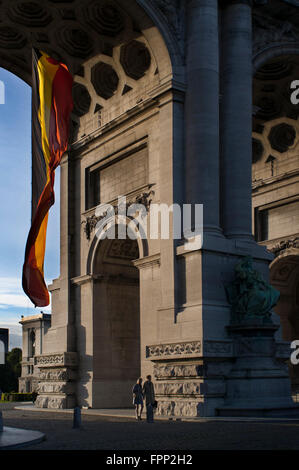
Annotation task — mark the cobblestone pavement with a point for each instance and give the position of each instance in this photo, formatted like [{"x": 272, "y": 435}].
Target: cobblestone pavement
[{"x": 127, "y": 434}]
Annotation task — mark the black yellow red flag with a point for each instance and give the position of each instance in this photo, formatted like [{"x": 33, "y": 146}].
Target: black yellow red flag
[{"x": 52, "y": 104}]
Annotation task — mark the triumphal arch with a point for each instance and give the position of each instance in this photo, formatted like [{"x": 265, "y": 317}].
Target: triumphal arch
[{"x": 175, "y": 102}]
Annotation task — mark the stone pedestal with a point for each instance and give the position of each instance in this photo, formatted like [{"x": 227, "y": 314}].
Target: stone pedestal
[
  {"x": 57, "y": 375},
  {"x": 185, "y": 383},
  {"x": 258, "y": 383}
]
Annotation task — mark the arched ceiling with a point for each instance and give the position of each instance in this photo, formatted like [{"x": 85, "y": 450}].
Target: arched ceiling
[
  {"x": 70, "y": 30},
  {"x": 275, "y": 116}
]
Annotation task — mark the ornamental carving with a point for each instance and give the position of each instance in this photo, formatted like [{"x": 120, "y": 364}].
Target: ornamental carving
[
  {"x": 29, "y": 14},
  {"x": 267, "y": 30},
  {"x": 60, "y": 359},
  {"x": 160, "y": 351},
  {"x": 284, "y": 245},
  {"x": 174, "y": 12},
  {"x": 76, "y": 42},
  {"x": 11, "y": 39},
  {"x": 166, "y": 371},
  {"x": 179, "y": 388},
  {"x": 104, "y": 18},
  {"x": 91, "y": 222},
  {"x": 125, "y": 249}
]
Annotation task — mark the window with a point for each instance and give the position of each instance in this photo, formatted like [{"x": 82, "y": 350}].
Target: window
[
  {"x": 105, "y": 182},
  {"x": 277, "y": 221},
  {"x": 32, "y": 343}
]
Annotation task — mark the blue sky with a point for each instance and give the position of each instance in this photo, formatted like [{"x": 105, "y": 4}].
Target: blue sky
[{"x": 15, "y": 204}]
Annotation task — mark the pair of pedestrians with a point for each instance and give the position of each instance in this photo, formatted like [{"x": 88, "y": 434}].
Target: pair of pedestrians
[{"x": 147, "y": 392}]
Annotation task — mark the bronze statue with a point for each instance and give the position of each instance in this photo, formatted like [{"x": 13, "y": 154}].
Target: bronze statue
[{"x": 249, "y": 295}]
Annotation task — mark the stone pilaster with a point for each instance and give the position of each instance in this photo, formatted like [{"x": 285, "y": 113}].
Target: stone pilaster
[{"x": 236, "y": 118}]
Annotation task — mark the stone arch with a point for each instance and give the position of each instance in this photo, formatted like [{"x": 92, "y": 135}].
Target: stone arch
[{"x": 97, "y": 244}]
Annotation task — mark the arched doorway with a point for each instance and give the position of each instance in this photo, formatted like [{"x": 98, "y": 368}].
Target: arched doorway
[{"x": 116, "y": 323}]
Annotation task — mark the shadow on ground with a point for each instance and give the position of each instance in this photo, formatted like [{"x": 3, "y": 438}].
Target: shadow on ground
[{"x": 127, "y": 434}]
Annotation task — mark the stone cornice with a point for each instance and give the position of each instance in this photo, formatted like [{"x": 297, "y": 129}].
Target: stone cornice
[
  {"x": 147, "y": 261},
  {"x": 65, "y": 359}
]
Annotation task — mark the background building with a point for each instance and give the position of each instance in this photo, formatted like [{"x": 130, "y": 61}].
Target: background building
[
  {"x": 33, "y": 330},
  {"x": 4, "y": 340}
]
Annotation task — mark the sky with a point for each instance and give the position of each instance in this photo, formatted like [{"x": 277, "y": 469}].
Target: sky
[{"x": 15, "y": 206}]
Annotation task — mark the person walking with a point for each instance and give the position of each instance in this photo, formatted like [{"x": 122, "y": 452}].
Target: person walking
[
  {"x": 149, "y": 395},
  {"x": 138, "y": 398}
]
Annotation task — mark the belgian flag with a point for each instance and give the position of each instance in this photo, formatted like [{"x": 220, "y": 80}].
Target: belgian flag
[{"x": 52, "y": 104}]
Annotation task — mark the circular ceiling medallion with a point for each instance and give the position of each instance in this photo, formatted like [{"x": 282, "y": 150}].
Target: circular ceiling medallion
[
  {"x": 104, "y": 18},
  {"x": 76, "y": 42},
  {"x": 274, "y": 70},
  {"x": 11, "y": 39},
  {"x": 29, "y": 14}
]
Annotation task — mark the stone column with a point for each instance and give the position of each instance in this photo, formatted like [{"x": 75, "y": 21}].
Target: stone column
[
  {"x": 236, "y": 118},
  {"x": 202, "y": 110}
]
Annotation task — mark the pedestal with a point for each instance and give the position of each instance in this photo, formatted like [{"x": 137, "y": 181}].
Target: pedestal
[
  {"x": 57, "y": 375},
  {"x": 258, "y": 385}
]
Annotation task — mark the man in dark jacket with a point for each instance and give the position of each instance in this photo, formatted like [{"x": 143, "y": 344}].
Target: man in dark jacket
[{"x": 149, "y": 395}]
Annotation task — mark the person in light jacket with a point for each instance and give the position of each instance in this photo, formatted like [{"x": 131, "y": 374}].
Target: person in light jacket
[
  {"x": 138, "y": 398},
  {"x": 149, "y": 395}
]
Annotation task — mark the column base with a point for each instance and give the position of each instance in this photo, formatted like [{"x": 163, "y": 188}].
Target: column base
[
  {"x": 186, "y": 384},
  {"x": 56, "y": 381},
  {"x": 243, "y": 376}
]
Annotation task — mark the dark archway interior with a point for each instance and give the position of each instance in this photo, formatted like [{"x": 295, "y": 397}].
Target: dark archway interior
[{"x": 116, "y": 323}]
